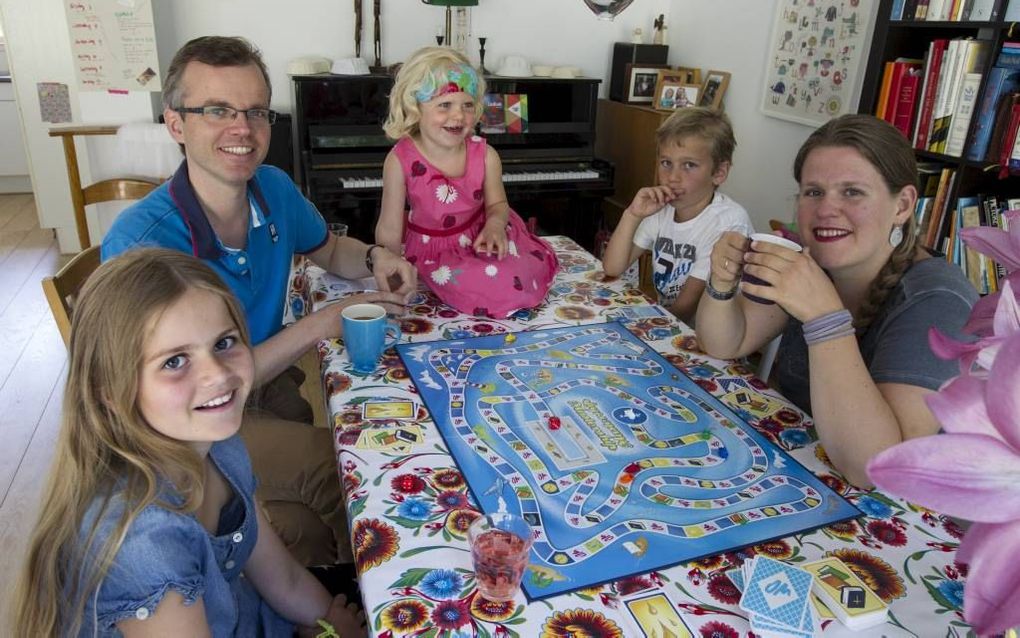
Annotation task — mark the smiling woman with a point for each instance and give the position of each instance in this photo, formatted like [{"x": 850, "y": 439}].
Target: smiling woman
[{"x": 855, "y": 307}]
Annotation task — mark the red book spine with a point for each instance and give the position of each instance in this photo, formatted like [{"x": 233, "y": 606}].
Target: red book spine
[
  {"x": 1008, "y": 141},
  {"x": 931, "y": 84},
  {"x": 893, "y": 99},
  {"x": 907, "y": 102}
]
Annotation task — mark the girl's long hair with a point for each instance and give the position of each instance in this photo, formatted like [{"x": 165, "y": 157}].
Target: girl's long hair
[
  {"x": 885, "y": 148},
  {"x": 105, "y": 449}
]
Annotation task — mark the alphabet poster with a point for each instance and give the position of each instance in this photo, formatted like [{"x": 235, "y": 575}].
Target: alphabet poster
[
  {"x": 812, "y": 71},
  {"x": 113, "y": 45}
]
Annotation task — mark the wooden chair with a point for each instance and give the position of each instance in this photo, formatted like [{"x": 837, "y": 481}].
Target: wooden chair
[
  {"x": 107, "y": 190},
  {"x": 62, "y": 288}
]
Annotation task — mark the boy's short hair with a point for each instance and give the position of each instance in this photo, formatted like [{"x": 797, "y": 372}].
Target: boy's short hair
[{"x": 702, "y": 122}]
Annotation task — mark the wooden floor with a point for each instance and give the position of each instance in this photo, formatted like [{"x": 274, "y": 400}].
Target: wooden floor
[{"x": 32, "y": 368}]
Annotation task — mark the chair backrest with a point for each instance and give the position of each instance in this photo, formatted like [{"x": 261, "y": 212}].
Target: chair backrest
[
  {"x": 62, "y": 288},
  {"x": 107, "y": 190}
]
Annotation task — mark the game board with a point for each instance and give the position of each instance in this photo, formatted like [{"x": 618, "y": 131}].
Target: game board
[{"x": 620, "y": 463}]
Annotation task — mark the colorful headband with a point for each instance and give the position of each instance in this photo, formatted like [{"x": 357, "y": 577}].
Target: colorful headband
[{"x": 458, "y": 79}]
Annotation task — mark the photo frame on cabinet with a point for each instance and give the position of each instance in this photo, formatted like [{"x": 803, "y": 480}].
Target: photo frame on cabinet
[
  {"x": 713, "y": 90},
  {"x": 672, "y": 95},
  {"x": 641, "y": 82},
  {"x": 689, "y": 74}
]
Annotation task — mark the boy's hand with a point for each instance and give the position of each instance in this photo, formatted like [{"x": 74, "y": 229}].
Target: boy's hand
[
  {"x": 492, "y": 239},
  {"x": 649, "y": 200}
]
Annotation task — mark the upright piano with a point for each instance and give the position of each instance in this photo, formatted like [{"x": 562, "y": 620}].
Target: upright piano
[{"x": 550, "y": 170}]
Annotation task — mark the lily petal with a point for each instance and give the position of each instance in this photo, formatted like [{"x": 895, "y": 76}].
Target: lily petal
[
  {"x": 1007, "y": 312},
  {"x": 1003, "y": 392},
  {"x": 991, "y": 597},
  {"x": 960, "y": 407},
  {"x": 1000, "y": 245},
  {"x": 981, "y": 316},
  {"x": 945, "y": 347},
  {"x": 970, "y": 476}
]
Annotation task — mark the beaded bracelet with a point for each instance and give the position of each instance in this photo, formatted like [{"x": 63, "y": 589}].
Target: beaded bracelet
[
  {"x": 718, "y": 294},
  {"x": 831, "y": 326}
]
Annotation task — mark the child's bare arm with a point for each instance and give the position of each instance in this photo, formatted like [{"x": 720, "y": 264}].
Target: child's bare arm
[
  {"x": 492, "y": 238},
  {"x": 621, "y": 251},
  {"x": 685, "y": 307},
  {"x": 389, "y": 230}
]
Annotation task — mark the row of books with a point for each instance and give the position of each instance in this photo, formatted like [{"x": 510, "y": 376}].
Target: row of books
[
  {"x": 932, "y": 101},
  {"x": 994, "y": 137},
  {"x": 939, "y": 221},
  {"x": 944, "y": 10}
]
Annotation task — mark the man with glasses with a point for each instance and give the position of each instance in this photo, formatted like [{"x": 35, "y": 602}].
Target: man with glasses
[{"x": 247, "y": 221}]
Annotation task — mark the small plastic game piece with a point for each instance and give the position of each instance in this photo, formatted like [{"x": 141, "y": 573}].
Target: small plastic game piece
[
  {"x": 510, "y": 338},
  {"x": 554, "y": 423}
]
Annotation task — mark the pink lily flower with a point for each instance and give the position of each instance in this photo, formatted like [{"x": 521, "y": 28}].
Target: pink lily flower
[
  {"x": 1004, "y": 247},
  {"x": 972, "y": 470}
]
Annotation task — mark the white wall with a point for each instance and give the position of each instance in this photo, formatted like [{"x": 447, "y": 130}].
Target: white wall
[
  {"x": 560, "y": 32},
  {"x": 733, "y": 35}
]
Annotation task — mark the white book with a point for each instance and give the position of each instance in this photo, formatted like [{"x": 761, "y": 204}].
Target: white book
[
  {"x": 962, "y": 116},
  {"x": 935, "y": 8},
  {"x": 1012, "y": 13},
  {"x": 981, "y": 11},
  {"x": 940, "y": 109}
]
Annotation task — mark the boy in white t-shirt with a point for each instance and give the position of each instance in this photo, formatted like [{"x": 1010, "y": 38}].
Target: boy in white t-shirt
[{"x": 680, "y": 219}]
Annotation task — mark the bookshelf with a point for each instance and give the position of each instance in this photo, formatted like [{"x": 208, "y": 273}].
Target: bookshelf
[{"x": 968, "y": 178}]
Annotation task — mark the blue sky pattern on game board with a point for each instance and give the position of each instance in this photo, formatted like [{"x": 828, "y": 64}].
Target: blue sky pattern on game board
[{"x": 644, "y": 469}]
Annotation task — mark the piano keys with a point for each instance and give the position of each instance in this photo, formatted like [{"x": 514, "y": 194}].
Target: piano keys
[{"x": 550, "y": 171}]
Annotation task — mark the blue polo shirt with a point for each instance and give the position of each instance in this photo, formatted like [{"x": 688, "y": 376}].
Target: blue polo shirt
[{"x": 283, "y": 223}]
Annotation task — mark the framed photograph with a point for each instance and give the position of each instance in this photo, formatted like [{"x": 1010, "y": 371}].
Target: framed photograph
[
  {"x": 813, "y": 63},
  {"x": 689, "y": 75},
  {"x": 713, "y": 89},
  {"x": 666, "y": 93},
  {"x": 687, "y": 95},
  {"x": 641, "y": 81}
]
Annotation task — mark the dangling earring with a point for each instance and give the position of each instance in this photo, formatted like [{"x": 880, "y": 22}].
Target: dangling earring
[{"x": 896, "y": 236}]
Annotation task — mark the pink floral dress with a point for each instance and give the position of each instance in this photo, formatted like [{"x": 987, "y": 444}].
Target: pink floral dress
[{"x": 447, "y": 213}]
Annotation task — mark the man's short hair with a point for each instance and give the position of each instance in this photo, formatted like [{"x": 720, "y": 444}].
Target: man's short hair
[{"x": 213, "y": 50}]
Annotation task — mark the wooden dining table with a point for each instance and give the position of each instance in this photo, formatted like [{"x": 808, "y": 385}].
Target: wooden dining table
[{"x": 409, "y": 506}]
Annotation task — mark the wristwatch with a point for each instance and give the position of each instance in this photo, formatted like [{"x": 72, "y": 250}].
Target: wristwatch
[{"x": 369, "y": 262}]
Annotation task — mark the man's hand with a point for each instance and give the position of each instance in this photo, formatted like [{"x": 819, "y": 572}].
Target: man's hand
[
  {"x": 329, "y": 324},
  {"x": 394, "y": 274}
]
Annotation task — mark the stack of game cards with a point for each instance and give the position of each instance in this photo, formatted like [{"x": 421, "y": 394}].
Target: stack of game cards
[
  {"x": 846, "y": 595},
  {"x": 777, "y": 598}
]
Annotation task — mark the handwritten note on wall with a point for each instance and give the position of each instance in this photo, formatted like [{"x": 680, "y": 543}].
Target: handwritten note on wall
[{"x": 113, "y": 44}]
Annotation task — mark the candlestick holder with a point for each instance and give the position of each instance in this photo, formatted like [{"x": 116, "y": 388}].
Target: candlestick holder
[{"x": 481, "y": 54}]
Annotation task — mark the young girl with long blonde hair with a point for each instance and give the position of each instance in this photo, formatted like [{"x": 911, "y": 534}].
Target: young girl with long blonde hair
[{"x": 148, "y": 524}]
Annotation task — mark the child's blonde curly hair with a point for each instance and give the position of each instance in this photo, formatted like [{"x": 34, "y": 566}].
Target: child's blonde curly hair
[{"x": 425, "y": 71}]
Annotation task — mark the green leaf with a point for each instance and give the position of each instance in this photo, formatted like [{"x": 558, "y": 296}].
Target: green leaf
[{"x": 411, "y": 577}]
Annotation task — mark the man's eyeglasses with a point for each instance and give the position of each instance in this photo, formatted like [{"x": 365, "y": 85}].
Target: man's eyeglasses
[{"x": 224, "y": 114}]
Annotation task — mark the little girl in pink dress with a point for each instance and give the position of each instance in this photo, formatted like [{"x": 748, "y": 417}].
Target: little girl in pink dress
[{"x": 470, "y": 248}]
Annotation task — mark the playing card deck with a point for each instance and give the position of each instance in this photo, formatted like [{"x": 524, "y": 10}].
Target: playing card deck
[
  {"x": 846, "y": 595},
  {"x": 777, "y": 598}
]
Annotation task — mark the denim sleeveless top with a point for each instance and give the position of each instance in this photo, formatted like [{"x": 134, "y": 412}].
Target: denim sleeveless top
[{"x": 168, "y": 551}]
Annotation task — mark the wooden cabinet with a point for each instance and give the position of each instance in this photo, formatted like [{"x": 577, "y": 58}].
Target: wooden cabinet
[{"x": 625, "y": 135}]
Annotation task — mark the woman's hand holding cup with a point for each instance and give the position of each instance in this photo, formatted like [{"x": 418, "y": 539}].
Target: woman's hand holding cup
[
  {"x": 779, "y": 271},
  {"x": 727, "y": 261}
]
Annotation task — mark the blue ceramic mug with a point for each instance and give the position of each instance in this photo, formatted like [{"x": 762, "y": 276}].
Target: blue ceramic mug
[{"x": 367, "y": 332}]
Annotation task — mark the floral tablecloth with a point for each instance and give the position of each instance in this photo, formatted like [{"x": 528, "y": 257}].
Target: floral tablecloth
[{"x": 409, "y": 507}]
